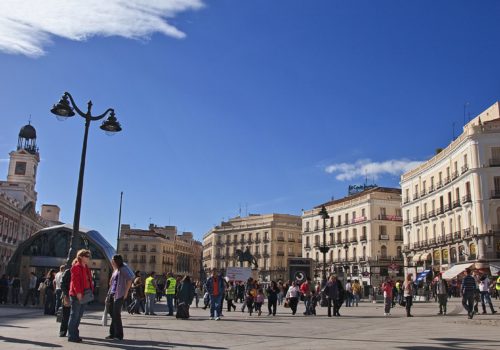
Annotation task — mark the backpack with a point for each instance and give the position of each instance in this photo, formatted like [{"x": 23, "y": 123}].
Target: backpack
[{"x": 66, "y": 281}]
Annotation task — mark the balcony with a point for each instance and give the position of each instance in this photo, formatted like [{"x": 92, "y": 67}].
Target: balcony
[
  {"x": 454, "y": 175},
  {"x": 346, "y": 222},
  {"x": 338, "y": 241},
  {"x": 307, "y": 246},
  {"x": 432, "y": 241},
  {"x": 143, "y": 249},
  {"x": 431, "y": 189},
  {"x": 406, "y": 222},
  {"x": 398, "y": 238},
  {"x": 353, "y": 240},
  {"x": 465, "y": 168},
  {"x": 406, "y": 200},
  {"x": 416, "y": 219},
  {"x": 447, "y": 180},
  {"x": 439, "y": 211},
  {"x": 345, "y": 240},
  {"x": 449, "y": 237},
  {"x": 423, "y": 217},
  {"x": 153, "y": 250},
  {"x": 280, "y": 239},
  {"x": 390, "y": 217},
  {"x": 447, "y": 207},
  {"x": 362, "y": 238},
  {"x": 125, "y": 249},
  {"x": 280, "y": 253},
  {"x": 135, "y": 249},
  {"x": 415, "y": 196},
  {"x": 494, "y": 161},
  {"x": 456, "y": 236},
  {"x": 423, "y": 192},
  {"x": 338, "y": 224},
  {"x": 439, "y": 185},
  {"x": 257, "y": 240},
  {"x": 383, "y": 237},
  {"x": 467, "y": 199},
  {"x": 292, "y": 240},
  {"x": 431, "y": 213},
  {"x": 266, "y": 240},
  {"x": 495, "y": 194}
]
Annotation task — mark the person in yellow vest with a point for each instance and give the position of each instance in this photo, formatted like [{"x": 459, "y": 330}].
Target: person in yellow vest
[
  {"x": 150, "y": 292},
  {"x": 497, "y": 286},
  {"x": 170, "y": 288}
]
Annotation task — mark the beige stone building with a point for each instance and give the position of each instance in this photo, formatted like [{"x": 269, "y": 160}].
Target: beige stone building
[
  {"x": 271, "y": 238},
  {"x": 18, "y": 217},
  {"x": 363, "y": 232},
  {"x": 451, "y": 203},
  {"x": 160, "y": 249}
]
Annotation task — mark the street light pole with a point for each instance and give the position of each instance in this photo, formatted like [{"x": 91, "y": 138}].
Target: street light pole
[
  {"x": 324, "y": 248},
  {"x": 63, "y": 109}
]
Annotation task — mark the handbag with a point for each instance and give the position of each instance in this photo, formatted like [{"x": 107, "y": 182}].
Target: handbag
[
  {"x": 59, "y": 315},
  {"x": 286, "y": 304},
  {"x": 402, "y": 302},
  {"x": 88, "y": 296}
]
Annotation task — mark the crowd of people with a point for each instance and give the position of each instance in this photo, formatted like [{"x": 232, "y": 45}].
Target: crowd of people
[{"x": 67, "y": 292}]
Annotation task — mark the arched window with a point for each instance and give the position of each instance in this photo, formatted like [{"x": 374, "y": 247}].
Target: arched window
[{"x": 383, "y": 251}]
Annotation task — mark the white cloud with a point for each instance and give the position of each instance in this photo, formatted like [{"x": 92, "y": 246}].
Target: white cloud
[
  {"x": 27, "y": 26},
  {"x": 365, "y": 167}
]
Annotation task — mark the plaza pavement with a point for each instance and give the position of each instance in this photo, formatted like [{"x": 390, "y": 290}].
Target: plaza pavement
[{"x": 363, "y": 327}]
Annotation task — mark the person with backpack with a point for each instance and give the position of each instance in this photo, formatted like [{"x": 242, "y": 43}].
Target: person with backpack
[{"x": 65, "y": 302}]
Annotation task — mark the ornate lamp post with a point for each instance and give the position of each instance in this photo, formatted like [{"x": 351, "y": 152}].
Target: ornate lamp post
[
  {"x": 64, "y": 110},
  {"x": 324, "y": 248}
]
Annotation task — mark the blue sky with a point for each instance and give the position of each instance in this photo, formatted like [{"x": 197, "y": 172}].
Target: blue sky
[{"x": 227, "y": 104}]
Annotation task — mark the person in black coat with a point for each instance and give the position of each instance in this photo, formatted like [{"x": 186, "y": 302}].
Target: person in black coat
[{"x": 272, "y": 298}]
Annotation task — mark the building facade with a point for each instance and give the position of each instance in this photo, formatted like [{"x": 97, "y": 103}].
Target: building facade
[
  {"x": 160, "y": 249},
  {"x": 363, "y": 232},
  {"x": 451, "y": 203},
  {"x": 270, "y": 238},
  {"x": 18, "y": 217}
]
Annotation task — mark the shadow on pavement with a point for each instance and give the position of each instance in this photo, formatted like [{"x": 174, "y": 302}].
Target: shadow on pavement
[
  {"x": 11, "y": 326},
  {"x": 131, "y": 344},
  {"x": 448, "y": 343},
  {"x": 29, "y": 342}
]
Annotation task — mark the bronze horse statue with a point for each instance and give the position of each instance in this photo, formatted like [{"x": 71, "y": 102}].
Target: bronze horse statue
[{"x": 242, "y": 256}]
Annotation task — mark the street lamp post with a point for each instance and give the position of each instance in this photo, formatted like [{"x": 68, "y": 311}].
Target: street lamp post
[
  {"x": 324, "y": 248},
  {"x": 64, "y": 110}
]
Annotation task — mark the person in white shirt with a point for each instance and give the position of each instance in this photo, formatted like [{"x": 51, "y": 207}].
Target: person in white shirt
[
  {"x": 484, "y": 290},
  {"x": 31, "y": 293},
  {"x": 57, "y": 282}
]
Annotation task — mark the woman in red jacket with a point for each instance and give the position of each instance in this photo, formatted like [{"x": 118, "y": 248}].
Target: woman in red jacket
[{"x": 81, "y": 291}]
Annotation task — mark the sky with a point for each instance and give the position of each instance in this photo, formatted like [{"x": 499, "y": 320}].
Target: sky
[{"x": 233, "y": 107}]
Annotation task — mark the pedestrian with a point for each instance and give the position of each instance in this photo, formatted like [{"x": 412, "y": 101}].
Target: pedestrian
[
  {"x": 356, "y": 293},
  {"x": 332, "y": 293},
  {"x": 484, "y": 290},
  {"x": 65, "y": 303},
  {"x": 137, "y": 294},
  {"x": 248, "y": 286},
  {"x": 4, "y": 289},
  {"x": 272, "y": 298},
  {"x": 31, "y": 293},
  {"x": 80, "y": 291},
  {"x": 292, "y": 297},
  {"x": 121, "y": 281},
  {"x": 198, "y": 290},
  {"x": 497, "y": 285},
  {"x": 250, "y": 297},
  {"x": 230, "y": 296},
  {"x": 171, "y": 285},
  {"x": 442, "y": 294},
  {"x": 215, "y": 288},
  {"x": 348, "y": 294},
  {"x": 50, "y": 299},
  {"x": 408, "y": 292},
  {"x": 58, "y": 291},
  {"x": 160, "y": 289},
  {"x": 387, "y": 288},
  {"x": 150, "y": 292},
  {"x": 305, "y": 294},
  {"x": 16, "y": 289},
  {"x": 468, "y": 290},
  {"x": 259, "y": 301}
]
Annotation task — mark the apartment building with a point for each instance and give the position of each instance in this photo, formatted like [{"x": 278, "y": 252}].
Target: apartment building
[
  {"x": 364, "y": 234},
  {"x": 160, "y": 249},
  {"x": 451, "y": 203},
  {"x": 271, "y": 238}
]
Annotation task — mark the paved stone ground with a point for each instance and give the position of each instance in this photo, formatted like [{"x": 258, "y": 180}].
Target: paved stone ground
[{"x": 363, "y": 327}]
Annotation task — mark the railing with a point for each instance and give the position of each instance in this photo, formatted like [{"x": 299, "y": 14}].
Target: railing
[
  {"x": 495, "y": 228},
  {"x": 432, "y": 241},
  {"x": 456, "y": 204},
  {"x": 153, "y": 250},
  {"x": 346, "y": 222},
  {"x": 362, "y": 238},
  {"x": 431, "y": 189},
  {"x": 456, "y": 236},
  {"x": 338, "y": 241},
  {"x": 398, "y": 237},
  {"x": 447, "y": 180},
  {"x": 280, "y": 239},
  {"x": 125, "y": 249},
  {"x": 423, "y": 192},
  {"x": 406, "y": 247},
  {"x": 406, "y": 222},
  {"x": 266, "y": 240},
  {"x": 406, "y": 200},
  {"x": 135, "y": 249},
  {"x": 279, "y": 253},
  {"x": 143, "y": 249},
  {"x": 431, "y": 213},
  {"x": 390, "y": 217},
  {"x": 345, "y": 240},
  {"x": 465, "y": 168},
  {"x": 467, "y": 199},
  {"x": 439, "y": 211},
  {"x": 449, "y": 237},
  {"x": 423, "y": 217},
  {"x": 494, "y": 161},
  {"x": 439, "y": 184},
  {"x": 447, "y": 207},
  {"x": 307, "y": 246},
  {"x": 454, "y": 175},
  {"x": 415, "y": 196},
  {"x": 495, "y": 194},
  {"x": 416, "y": 219},
  {"x": 338, "y": 224}
]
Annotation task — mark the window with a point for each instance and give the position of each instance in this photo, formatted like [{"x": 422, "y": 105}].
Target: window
[
  {"x": 383, "y": 229},
  {"x": 465, "y": 161},
  {"x": 383, "y": 251},
  {"x": 382, "y": 211},
  {"x": 307, "y": 226},
  {"x": 20, "y": 168},
  {"x": 363, "y": 212}
]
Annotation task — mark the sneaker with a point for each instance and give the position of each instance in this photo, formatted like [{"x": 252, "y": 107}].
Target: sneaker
[
  {"x": 217, "y": 318},
  {"x": 109, "y": 337},
  {"x": 494, "y": 311},
  {"x": 211, "y": 318}
]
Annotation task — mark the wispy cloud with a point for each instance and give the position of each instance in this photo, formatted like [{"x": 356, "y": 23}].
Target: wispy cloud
[
  {"x": 27, "y": 26},
  {"x": 365, "y": 167}
]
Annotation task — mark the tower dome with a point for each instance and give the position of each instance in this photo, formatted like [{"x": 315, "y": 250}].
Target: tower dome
[
  {"x": 27, "y": 139},
  {"x": 28, "y": 132}
]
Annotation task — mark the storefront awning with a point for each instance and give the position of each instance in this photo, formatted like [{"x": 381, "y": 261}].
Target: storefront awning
[
  {"x": 455, "y": 271},
  {"x": 421, "y": 276},
  {"x": 416, "y": 258},
  {"x": 425, "y": 257},
  {"x": 494, "y": 269}
]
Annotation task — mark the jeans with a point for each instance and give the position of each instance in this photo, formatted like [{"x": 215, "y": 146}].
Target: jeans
[
  {"x": 215, "y": 305},
  {"x": 15, "y": 296},
  {"x": 114, "y": 310},
  {"x": 307, "y": 305},
  {"x": 486, "y": 299},
  {"x": 293, "y": 301},
  {"x": 75, "y": 317},
  {"x": 49, "y": 302},
  {"x": 355, "y": 298},
  {"x": 409, "y": 303},
  {"x": 170, "y": 304},
  {"x": 65, "y": 319},
  {"x": 150, "y": 304},
  {"x": 468, "y": 302},
  {"x": 58, "y": 299},
  {"x": 387, "y": 304}
]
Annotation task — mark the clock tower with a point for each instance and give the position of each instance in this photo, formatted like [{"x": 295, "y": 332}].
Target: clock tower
[{"x": 21, "y": 177}]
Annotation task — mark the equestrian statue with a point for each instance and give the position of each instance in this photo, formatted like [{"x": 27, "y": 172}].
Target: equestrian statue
[{"x": 242, "y": 256}]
